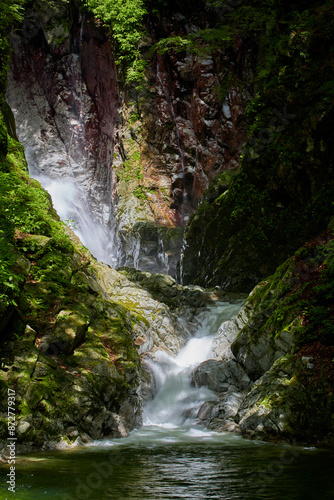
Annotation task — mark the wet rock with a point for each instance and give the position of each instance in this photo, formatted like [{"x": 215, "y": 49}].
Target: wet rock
[
  {"x": 223, "y": 340},
  {"x": 219, "y": 376},
  {"x": 220, "y": 416},
  {"x": 156, "y": 323},
  {"x": 257, "y": 353}
]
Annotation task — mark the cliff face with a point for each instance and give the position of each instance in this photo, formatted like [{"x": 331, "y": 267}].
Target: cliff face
[
  {"x": 186, "y": 124},
  {"x": 137, "y": 160},
  {"x": 63, "y": 92},
  {"x": 283, "y": 193},
  {"x": 132, "y": 166}
]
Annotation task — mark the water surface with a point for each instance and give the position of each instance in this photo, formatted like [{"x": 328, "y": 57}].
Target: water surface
[
  {"x": 174, "y": 463},
  {"x": 172, "y": 456}
]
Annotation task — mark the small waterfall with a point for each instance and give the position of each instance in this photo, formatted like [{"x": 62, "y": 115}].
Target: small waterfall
[
  {"x": 176, "y": 402},
  {"x": 71, "y": 207},
  {"x": 180, "y": 271},
  {"x": 163, "y": 257},
  {"x": 56, "y": 124}
]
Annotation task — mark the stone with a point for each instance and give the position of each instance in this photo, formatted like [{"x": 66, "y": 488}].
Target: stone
[
  {"x": 219, "y": 376},
  {"x": 223, "y": 340},
  {"x": 68, "y": 332},
  {"x": 22, "y": 428},
  {"x": 220, "y": 416}
]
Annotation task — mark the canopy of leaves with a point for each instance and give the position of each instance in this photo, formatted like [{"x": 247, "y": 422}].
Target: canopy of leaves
[{"x": 125, "y": 20}]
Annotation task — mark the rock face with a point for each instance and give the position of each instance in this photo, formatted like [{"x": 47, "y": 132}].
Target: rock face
[
  {"x": 63, "y": 92},
  {"x": 285, "y": 181},
  {"x": 75, "y": 372},
  {"x": 220, "y": 376},
  {"x": 135, "y": 167},
  {"x": 84, "y": 341},
  {"x": 269, "y": 387}
]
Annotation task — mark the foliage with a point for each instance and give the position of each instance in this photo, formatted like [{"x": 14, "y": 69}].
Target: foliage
[
  {"x": 25, "y": 208},
  {"x": 301, "y": 287},
  {"x": 125, "y": 20},
  {"x": 140, "y": 193},
  {"x": 283, "y": 192},
  {"x": 131, "y": 168},
  {"x": 11, "y": 12},
  {"x": 201, "y": 43}
]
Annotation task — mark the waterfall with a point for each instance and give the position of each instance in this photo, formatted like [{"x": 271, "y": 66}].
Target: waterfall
[
  {"x": 56, "y": 119},
  {"x": 176, "y": 401},
  {"x": 71, "y": 207},
  {"x": 163, "y": 259}
]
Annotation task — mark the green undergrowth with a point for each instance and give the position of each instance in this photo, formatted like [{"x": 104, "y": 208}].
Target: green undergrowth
[
  {"x": 125, "y": 20},
  {"x": 25, "y": 209},
  {"x": 131, "y": 168},
  {"x": 282, "y": 195}
]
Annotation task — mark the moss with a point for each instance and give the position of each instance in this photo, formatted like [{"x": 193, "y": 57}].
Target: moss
[
  {"x": 140, "y": 193},
  {"x": 283, "y": 193}
]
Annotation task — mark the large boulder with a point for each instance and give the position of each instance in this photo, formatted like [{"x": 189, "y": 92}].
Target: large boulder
[{"x": 220, "y": 376}]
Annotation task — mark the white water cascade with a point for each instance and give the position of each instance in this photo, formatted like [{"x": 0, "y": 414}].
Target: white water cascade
[
  {"x": 71, "y": 206},
  {"x": 177, "y": 402},
  {"x": 60, "y": 155}
]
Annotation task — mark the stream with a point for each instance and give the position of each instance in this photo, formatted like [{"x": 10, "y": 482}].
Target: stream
[
  {"x": 174, "y": 457},
  {"x": 171, "y": 456}
]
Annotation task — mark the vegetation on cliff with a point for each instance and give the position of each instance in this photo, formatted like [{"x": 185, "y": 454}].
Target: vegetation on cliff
[
  {"x": 59, "y": 331},
  {"x": 283, "y": 192}
]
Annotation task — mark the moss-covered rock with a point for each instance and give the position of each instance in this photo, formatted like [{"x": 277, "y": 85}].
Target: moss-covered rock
[
  {"x": 285, "y": 345},
  {"x": 281, "y": 406},
  {"x": 282, "y": 195}
]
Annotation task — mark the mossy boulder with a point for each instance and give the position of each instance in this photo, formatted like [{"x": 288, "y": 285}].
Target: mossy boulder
[
  {"x": 281, "y": 406},
  {"x": 283, "y": 340}
]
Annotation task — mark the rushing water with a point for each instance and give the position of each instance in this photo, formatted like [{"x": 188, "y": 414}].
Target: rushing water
[
  {"x": 71, "y": 206},
  {"x": 176, "y": 402},
  {"x": 172, "y": 457}
]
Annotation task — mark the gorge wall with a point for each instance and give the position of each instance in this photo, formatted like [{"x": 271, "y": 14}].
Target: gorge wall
[
  {"x": 63, "y": 93},
  {"x": 282, "y": 195},
  {"x": 133, "y": 165},
  {"x": 136, "y": 161}
]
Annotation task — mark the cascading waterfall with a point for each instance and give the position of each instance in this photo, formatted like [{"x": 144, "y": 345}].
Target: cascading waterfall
[
  {"x": 71, "y": 207},
  {"x": 176, "y": 402},
  {"x": 52, "y": 125},
  {"x": 163, "y": 257}
]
